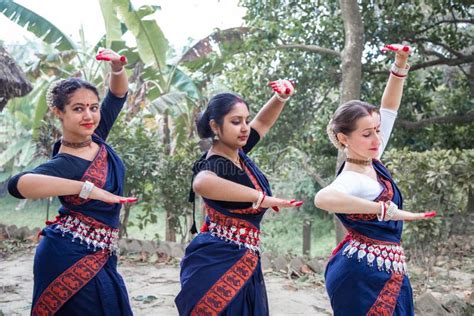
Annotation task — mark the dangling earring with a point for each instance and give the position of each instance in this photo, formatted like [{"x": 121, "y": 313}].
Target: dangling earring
[
  {"x": 346, "y": 146},
  {"x": 216, "y": 136}
]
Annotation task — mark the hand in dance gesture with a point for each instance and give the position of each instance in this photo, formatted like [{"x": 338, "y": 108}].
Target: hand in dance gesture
[
  {"x": 276, "y": 203},
  {"x": 107, "y": 197},
  {"x": 283, "y": 87},
  {"x": 402, "y": 215},
  {"x": 117, "y": 61},
  {"x": 402, "y": 53}
]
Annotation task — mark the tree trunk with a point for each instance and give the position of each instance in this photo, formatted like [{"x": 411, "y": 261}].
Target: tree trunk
[
  {"x": 307, "y": 237},
  {"x": 170, "y": 234},
  {"x": 126, "y": 214},
  {"x": 351, "y": 69}
]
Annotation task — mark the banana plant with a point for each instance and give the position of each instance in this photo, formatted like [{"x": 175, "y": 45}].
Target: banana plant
[
  {"x": 36, "y": 24},
  {"x": 22, "y": 123}
]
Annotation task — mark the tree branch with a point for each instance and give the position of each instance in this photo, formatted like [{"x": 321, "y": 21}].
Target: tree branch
[
  {"x": 455, "y": 21},
  {"x": 446, "y": 47},
  {"x": 450, "y": 62},
  {"x": 304, "y": 159},
  {"x": 465, "y": 118},
  {"x": 312, "y": 48},
  {"x": 441, "y": 61}
]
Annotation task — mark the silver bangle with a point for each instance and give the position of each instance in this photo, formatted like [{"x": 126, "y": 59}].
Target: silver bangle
[
  {"x": 280, "y": 98},
  {"x": 86, "y": 190},
  {"x": 400, "y": 72},
  {"x": 383, "y": 211},
  {"x": 257, "y": 204},
  {"x": 117, "y": 73}
]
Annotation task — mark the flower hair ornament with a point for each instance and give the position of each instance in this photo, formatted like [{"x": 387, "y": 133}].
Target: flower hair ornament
[
  {"x": 49, "y": 93},
  {"x": 333, "y": 137}
]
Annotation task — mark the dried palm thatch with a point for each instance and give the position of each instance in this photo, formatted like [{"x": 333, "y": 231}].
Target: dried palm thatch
[{"x": 13, "y": 82}]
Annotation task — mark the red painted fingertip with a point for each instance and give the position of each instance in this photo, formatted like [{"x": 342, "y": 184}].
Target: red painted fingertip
[
  {"x": 102, "y": 57},
  {"x": 389, "y": 47},
  {"x": 287, "y": 91},
  {"x": 275, "y": 208},
  {"x": 297, "y": 204},
  {"x": 406, "y": 48},
  {"x": 132, "y": 200},
  {"x": 291, "y": 201},
  {"x": 430, "y": 214}
]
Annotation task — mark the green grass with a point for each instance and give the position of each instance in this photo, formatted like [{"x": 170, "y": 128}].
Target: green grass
[{"x": 282, "y": 232}]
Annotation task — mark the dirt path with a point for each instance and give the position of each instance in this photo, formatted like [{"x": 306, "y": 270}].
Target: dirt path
[{"x": 152, "y": 289}]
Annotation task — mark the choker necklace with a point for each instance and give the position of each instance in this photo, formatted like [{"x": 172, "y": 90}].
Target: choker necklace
[
  {"x": 76, "y": 145},
  {"x": 359, "y": 161}
]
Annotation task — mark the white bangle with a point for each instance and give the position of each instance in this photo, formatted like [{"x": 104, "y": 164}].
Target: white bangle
[
  {"x": 280, "y": 98},
  {"x": 117, "y": 73},
  {"x": 86, "y": 190},
  {"x": 399, "y": 72},
  {"x": 383, "y": 211},
  {"x": 257, "y": 204}
]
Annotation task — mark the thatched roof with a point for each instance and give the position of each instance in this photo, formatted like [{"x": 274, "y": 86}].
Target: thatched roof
[{"x": 13, "y": 82}]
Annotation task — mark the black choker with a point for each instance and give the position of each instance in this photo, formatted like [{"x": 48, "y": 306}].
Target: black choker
[
  {"x": 76, "y": 145},
  {"x": 359, "y": 161}
]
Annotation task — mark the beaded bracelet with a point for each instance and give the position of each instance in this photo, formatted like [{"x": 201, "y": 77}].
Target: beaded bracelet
[{"x": 399, "y": 72}]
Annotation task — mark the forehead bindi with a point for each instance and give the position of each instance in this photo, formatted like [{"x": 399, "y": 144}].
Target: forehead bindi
[
  {"x": 369, "y": 122},
  {"x": 239, "y": 110},
  {"x": 84, "y": 97}
]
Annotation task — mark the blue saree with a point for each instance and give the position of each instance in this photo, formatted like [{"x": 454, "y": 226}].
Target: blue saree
[
  {"x": 75, "y": 265},
  {"x": 367, "y": 273},
  {"x": 221, "y": 272}
]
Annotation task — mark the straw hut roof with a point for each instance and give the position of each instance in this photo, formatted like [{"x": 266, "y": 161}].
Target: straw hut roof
[{"x": 13, "y": 82}]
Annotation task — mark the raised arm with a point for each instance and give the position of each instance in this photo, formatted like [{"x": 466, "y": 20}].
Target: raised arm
[
  {"x": 118, "y": 83},
  {"x": 392, "y": 94},
  {"x": 270, "y": 112}
]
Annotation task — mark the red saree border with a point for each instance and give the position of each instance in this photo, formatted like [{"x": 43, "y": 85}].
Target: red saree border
[
  {"x": 221, "y": 219},
  {"x": 96, "y": 173},
  {"x": 227, "y": 287},
  {"x": 68, "y": 283},
  {"x": 387, "y": 298},
  {"x": 257, "y": 186},
  {"x": 384, "y": 196}
]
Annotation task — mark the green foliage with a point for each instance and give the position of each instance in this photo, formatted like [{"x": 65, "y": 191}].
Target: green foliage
[
  {"x": 173, "y": 183},
  {"x": 161, "y": 181},
  {"x": 36, "y": 24},
  {"x": 437, "y": 180}
]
